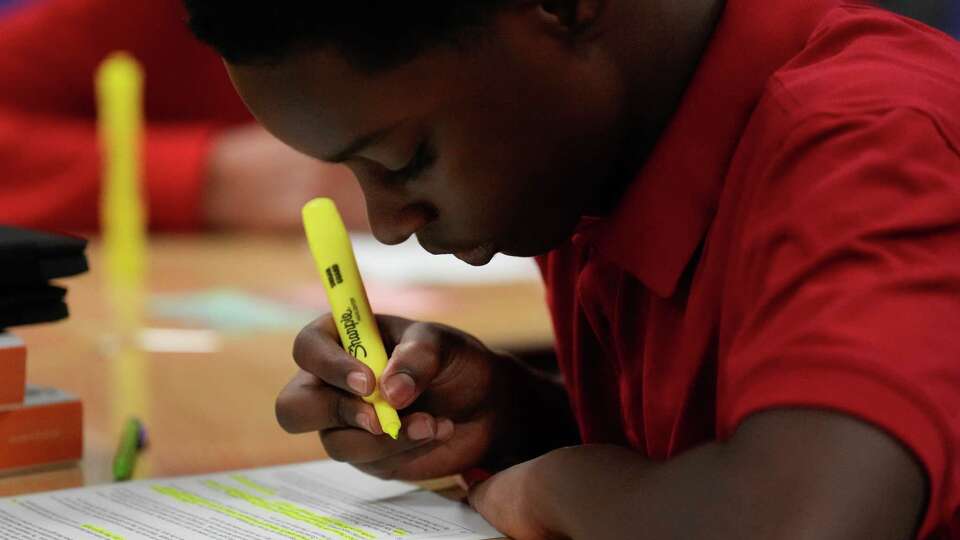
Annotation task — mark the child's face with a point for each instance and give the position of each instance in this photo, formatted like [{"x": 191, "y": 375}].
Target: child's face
[{"x": 500, "y": 148}]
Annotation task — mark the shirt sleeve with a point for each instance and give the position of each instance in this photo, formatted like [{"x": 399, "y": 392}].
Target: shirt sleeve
[
  {"x": 847, "y": 287},
  {"x": 50, "y": 170},
  {"x": 50, "y": 164}
]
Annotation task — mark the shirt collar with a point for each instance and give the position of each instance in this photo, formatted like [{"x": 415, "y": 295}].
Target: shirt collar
[{"x": 666, "y": 211}]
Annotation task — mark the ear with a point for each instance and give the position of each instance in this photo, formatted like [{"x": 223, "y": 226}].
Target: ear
[{"x": 571, "y": 17}]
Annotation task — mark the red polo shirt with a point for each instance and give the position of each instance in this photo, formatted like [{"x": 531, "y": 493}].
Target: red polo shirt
[{"x": 793, "y": 241}]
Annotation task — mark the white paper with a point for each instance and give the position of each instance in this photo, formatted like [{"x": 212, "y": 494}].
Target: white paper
[
  {"x": 318, "y": 500},
  {"x": 409, "y": 264}
]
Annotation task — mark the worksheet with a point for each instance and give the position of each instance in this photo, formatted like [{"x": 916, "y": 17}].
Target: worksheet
[{"x": 317, "y": 500}]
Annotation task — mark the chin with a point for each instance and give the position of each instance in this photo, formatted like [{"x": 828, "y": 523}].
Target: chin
[{"x": 530, "y": 251}]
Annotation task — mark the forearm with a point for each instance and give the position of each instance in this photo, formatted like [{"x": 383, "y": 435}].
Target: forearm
[
  {"x": 61, "y": 155},
  {"x": 608, "y": 492},
  {"x": 824, "y": 476}
]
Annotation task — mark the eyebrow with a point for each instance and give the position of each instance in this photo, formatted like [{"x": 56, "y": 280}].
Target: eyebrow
[{"x": 357, "y": 145}]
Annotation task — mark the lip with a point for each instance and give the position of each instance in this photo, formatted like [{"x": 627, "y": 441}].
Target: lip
[
  {"x": 433, "y": 249},
  {"x": 477, "y": 256}
]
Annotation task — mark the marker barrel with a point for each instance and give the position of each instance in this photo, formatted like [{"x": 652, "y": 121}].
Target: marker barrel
[{"x": 359, "y": 334}]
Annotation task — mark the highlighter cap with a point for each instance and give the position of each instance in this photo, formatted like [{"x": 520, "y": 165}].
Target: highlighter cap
[{"x": 325, "y": 229}]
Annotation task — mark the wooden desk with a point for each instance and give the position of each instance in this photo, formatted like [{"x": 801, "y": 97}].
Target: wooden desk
[{"x": 214, "y": 412}]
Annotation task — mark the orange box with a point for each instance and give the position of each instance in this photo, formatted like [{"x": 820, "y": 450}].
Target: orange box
[
  {"x": 46, "y": 429},
  {"x": 13, "y": 369}
]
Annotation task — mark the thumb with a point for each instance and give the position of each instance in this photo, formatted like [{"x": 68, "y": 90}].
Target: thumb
[{"x": 414, "y": 363}]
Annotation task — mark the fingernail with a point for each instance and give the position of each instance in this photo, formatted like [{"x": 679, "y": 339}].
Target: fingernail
[
  {"x": 420, "y": 430},
  {"x": 444, "y": 429},
  {"x": 364, "y": 421},
  {"x": 357, "y": 381},
  {"x": 399, "y": 389}
]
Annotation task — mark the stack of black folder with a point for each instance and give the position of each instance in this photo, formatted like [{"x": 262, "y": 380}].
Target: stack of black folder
[{"x": 29, "y": 260}]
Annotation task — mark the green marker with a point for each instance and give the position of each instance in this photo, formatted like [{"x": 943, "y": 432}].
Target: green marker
[{"x": 132, "y": 440}]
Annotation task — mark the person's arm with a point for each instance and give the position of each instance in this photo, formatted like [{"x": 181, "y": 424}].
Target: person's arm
[
  {"x": 50, "y": 160},
  {"x": 785, "y": 474},
  {"x": 253, "y": 181},
  {"x": 842, "y": 295},
  {"x": 51, "y": 170}
]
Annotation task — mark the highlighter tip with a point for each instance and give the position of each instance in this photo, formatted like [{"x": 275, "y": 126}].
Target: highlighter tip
[{"x": 389, "y": 419}]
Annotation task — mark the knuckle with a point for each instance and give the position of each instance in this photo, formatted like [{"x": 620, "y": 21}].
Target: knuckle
[
  {"x": 335, "y": 451},
  {"x": 455, "y": 339},
  {"x": 283, "y": 411},
  {"x": 301, "y": 344},
  {"x": 340, "y": 412},
  {"x": 423, "y": 329},
  {"x": 421, "y": 348},
  {"x": 312, "y": 343}
]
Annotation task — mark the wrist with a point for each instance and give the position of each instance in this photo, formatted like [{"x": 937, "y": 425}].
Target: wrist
[{"x": 532, "y": 415}]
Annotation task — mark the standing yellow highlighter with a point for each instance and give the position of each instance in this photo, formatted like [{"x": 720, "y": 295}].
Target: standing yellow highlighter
[{"x": 356, "y": 325}]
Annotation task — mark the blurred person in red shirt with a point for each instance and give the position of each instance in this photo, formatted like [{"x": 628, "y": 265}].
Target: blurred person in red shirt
[{"x": 206, "y": 163}]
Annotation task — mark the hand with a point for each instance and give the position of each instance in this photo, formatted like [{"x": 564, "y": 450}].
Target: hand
[
  {"x": 541, "y": 498},
  {"x": 513, "y": 501},
  {"x": 454, "y": 396},
  {"x": 254, "y": 181}
]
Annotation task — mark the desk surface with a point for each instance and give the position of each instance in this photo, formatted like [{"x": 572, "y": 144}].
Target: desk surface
[{"x": 214, "y": 411}]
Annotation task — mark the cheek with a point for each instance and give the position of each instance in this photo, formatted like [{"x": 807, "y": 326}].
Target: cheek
[
  {"x": 489, "y": 189},
  {"x": 474, "y": 198},
  {"x": 498, "y": 200},
  {"x": 517, "y": 167}
]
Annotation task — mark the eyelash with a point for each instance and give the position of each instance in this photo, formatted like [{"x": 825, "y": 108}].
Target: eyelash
[{"x": 422, "y": 159}]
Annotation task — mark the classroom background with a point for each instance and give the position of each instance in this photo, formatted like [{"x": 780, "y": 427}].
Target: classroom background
[
  {"x": 943, "y": 14},
  {"x": 227, "y": 279},
  {"x": 186, "y": 325}
]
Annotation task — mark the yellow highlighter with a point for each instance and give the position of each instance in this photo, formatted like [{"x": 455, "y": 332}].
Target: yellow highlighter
[
  {"x": 358, "y": 330},
  {"x": 119, "y": 85}
]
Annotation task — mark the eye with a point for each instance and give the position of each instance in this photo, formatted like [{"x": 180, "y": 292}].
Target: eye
[{"x": 423, "y": 158}]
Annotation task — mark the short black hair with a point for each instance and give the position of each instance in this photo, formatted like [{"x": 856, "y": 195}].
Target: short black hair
[{"x": 372, "y": 34}]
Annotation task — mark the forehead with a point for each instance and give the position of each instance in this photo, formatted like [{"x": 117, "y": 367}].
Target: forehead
[{"x": 316, "y": 99}]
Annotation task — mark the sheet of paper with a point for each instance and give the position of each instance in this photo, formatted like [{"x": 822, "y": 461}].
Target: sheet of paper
[{"x": 318, "y": 500}]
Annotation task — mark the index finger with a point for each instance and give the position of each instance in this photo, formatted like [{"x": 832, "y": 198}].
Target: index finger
[
  {"x": 416, "y": 360},
  {"x": 317, "y": 350}
]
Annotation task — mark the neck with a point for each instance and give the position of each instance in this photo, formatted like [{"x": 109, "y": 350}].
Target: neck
[{"x": 658, "y": 45}]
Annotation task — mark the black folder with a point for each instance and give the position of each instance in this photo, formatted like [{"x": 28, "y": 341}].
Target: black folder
[{"x": 28, "y": 261}]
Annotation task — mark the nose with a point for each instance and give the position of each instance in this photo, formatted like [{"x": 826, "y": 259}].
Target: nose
[
  {"x": 395, "y": 213},
  {"x": 393, "y": 225}
]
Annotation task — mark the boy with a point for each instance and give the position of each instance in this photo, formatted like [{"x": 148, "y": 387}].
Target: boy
[{"x": 747, "y": 215}]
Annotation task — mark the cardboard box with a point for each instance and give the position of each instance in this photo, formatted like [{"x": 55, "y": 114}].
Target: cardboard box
[
  {"x": 46, "y": 429},
  {"x": 13, "y": 369}
]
